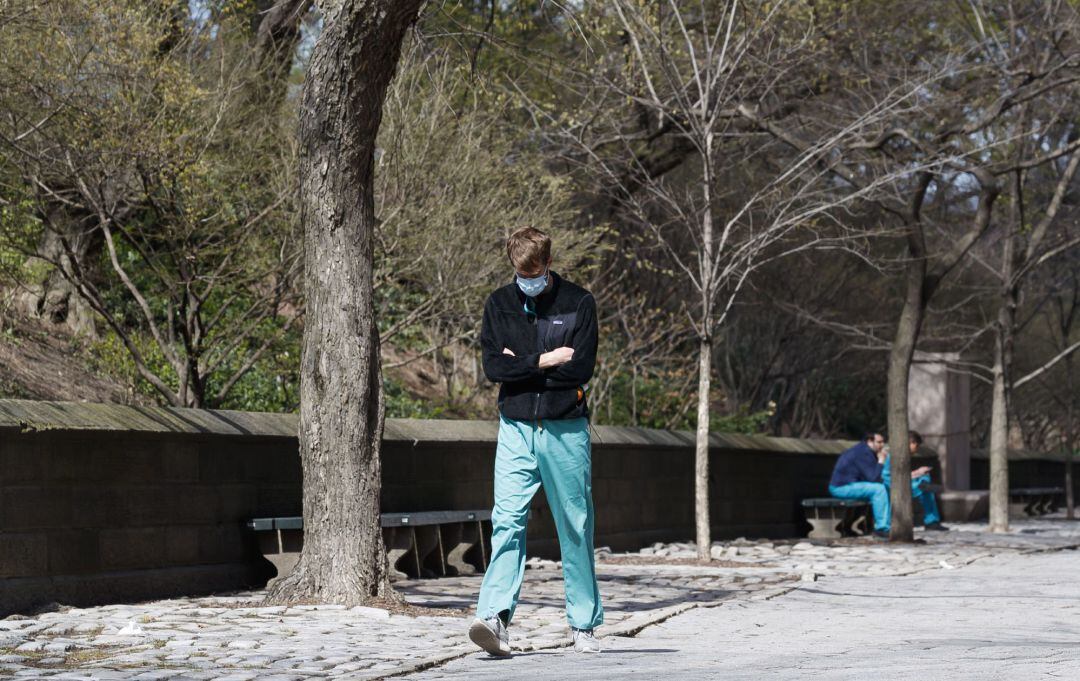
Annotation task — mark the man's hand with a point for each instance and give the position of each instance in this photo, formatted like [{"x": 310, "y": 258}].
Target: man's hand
[
  {"x": 556, "y": 357},
  {"x": 508, "y": 351},
  {"x": 919, "y": 472}
]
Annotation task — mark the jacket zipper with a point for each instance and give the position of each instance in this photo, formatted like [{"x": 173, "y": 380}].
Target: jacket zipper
[{"x": 540, "y": 347}]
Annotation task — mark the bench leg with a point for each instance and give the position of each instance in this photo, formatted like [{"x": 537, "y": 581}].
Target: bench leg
[
  {"x": 282, "y": 550},
  {"x": 399, "y": 549},
  {"x": 457, "y": 540},
  {"x": 429, "y": 553},
  {"x": 1047, "y": 505},
  {"x": 1055, "y": 503},
  {"x": 859, "y": 523},
  {"x": 824, "y": 528},
  {"x": 1032, "y": 508},
  {"x": 1018, "y": 508}
]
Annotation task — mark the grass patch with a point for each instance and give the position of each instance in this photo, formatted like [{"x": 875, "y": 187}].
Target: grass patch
[{"x": 85, "y": 655}]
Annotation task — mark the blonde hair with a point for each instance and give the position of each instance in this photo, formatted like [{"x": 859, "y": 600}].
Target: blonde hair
[{"x": 528, "y": 248}]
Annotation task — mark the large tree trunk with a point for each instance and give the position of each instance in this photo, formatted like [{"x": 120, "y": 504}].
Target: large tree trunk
[
  {"x": 701, "y": 452},
  {"x": 341, "y": 410},
  {"x": 67, "y": 242}
]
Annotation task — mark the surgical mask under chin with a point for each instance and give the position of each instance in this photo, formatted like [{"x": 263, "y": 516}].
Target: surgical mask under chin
[{"x": 533, "y": 286}]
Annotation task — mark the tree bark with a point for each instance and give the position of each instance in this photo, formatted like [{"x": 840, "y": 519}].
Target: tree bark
[
  {"x": 701, "y": 452},
  {"x": 1070, "y": 501},
  {"x": 999, "y": 444},
  {"x": 341, "y": 409},
  {"x": 701, "y": 445},
  {"x": 56, "y": 299},
  {"x": 276, "y": 24},
  {"x": 999, "y": 408},
  {"x": 908, "y": 328},
  {"x": 1071, "y": 434},
  {"x": 903, "y": 349}
]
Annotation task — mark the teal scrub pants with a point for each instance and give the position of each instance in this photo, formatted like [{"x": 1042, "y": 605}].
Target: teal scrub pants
[
  {"x": 931, "y": 514},
  {"x": 557, "y": 454}
]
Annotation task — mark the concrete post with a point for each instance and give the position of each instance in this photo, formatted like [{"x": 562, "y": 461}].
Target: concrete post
[{"x": 939, "y": 407}]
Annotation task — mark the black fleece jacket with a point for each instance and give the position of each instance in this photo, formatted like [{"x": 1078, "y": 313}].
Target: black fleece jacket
[{"x": 565, "y": 316}]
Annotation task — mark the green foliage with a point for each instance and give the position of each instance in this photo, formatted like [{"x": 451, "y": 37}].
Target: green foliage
[
  {"x": 743, "y": 421},
  {"x": 651, "y": 401},
  {"x": 19, "y": 230},
  {"x": 400, "y": 404},
  {"x": 154, "y": 139}
]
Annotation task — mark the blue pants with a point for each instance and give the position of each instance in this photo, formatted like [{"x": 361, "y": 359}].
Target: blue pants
[
  {"x": 558, "y": 454},
  {"x": 929, "y": 503},
  {"x": 874, "y": 492}
]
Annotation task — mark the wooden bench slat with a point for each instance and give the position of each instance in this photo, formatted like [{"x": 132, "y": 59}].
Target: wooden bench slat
[
  {"x": 433, "y": 517},
  {"x": 386, "y": 520},
  {"x": 826, "y": 502}
]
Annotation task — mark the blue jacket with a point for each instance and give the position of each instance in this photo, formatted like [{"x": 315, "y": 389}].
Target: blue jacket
[{"x": 858, "y": 464}]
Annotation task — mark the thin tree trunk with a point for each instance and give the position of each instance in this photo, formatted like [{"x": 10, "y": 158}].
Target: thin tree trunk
[
  {"x": 1071, "y": 432},
  {"x": 1070, "y": 502},
  {"x": 903, "y": 349},
  {"x": 908, "y": 328},
  {"x": 999, "y": 444},
  {"x": 341, "y": 410},
  {"x": 701, "y": 445},
  {"x": 277, "y": 32},
  {"x": 1003, "y": 342},
  {"x": 701, "y": 452}
]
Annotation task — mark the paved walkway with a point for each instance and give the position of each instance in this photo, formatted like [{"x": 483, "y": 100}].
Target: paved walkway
[
  {"x": 1013, "y": 616},
  {"x": 233, "y": 637}
]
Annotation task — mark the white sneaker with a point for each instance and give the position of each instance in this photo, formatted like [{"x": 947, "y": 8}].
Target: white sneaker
[
  {"x": 585, "y": 641},
  {"x": 491, "y": 635}
]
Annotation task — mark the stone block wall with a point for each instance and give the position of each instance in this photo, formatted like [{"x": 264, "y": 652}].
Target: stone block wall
[
  {"x": 107, "y": 503},
  {"x": 104, "y": 515}
]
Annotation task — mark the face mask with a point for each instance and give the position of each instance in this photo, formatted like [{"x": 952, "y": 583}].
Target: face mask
[{"x": 534, "y": 286}]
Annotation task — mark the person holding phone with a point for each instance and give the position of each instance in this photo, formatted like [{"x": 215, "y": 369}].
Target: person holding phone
[{"x": 919, "y": 478}]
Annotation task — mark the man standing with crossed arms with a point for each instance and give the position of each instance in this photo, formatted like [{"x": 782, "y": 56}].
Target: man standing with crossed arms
[{"x": 539, "y": 339}]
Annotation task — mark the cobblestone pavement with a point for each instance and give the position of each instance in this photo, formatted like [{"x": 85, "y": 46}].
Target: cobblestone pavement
[{"x": 232, "y": 637}]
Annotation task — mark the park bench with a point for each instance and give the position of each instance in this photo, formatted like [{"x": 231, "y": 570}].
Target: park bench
[
  {"x": 832, "y": 518},
  {"x": 1034, "y": 501},
  {"x": 423, "y": 544}
]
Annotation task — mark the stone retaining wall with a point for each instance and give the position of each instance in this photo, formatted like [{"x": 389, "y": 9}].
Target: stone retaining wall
[{"x": 107, "y": 502}]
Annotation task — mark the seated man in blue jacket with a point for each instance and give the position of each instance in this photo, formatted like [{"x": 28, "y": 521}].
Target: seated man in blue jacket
[
  {"x": 857, "y": 475},
  {"x": 919, "y": 477}
]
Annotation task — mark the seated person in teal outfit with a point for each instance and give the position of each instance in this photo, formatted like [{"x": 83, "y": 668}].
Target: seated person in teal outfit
[{"x": 919, "y": 477}]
